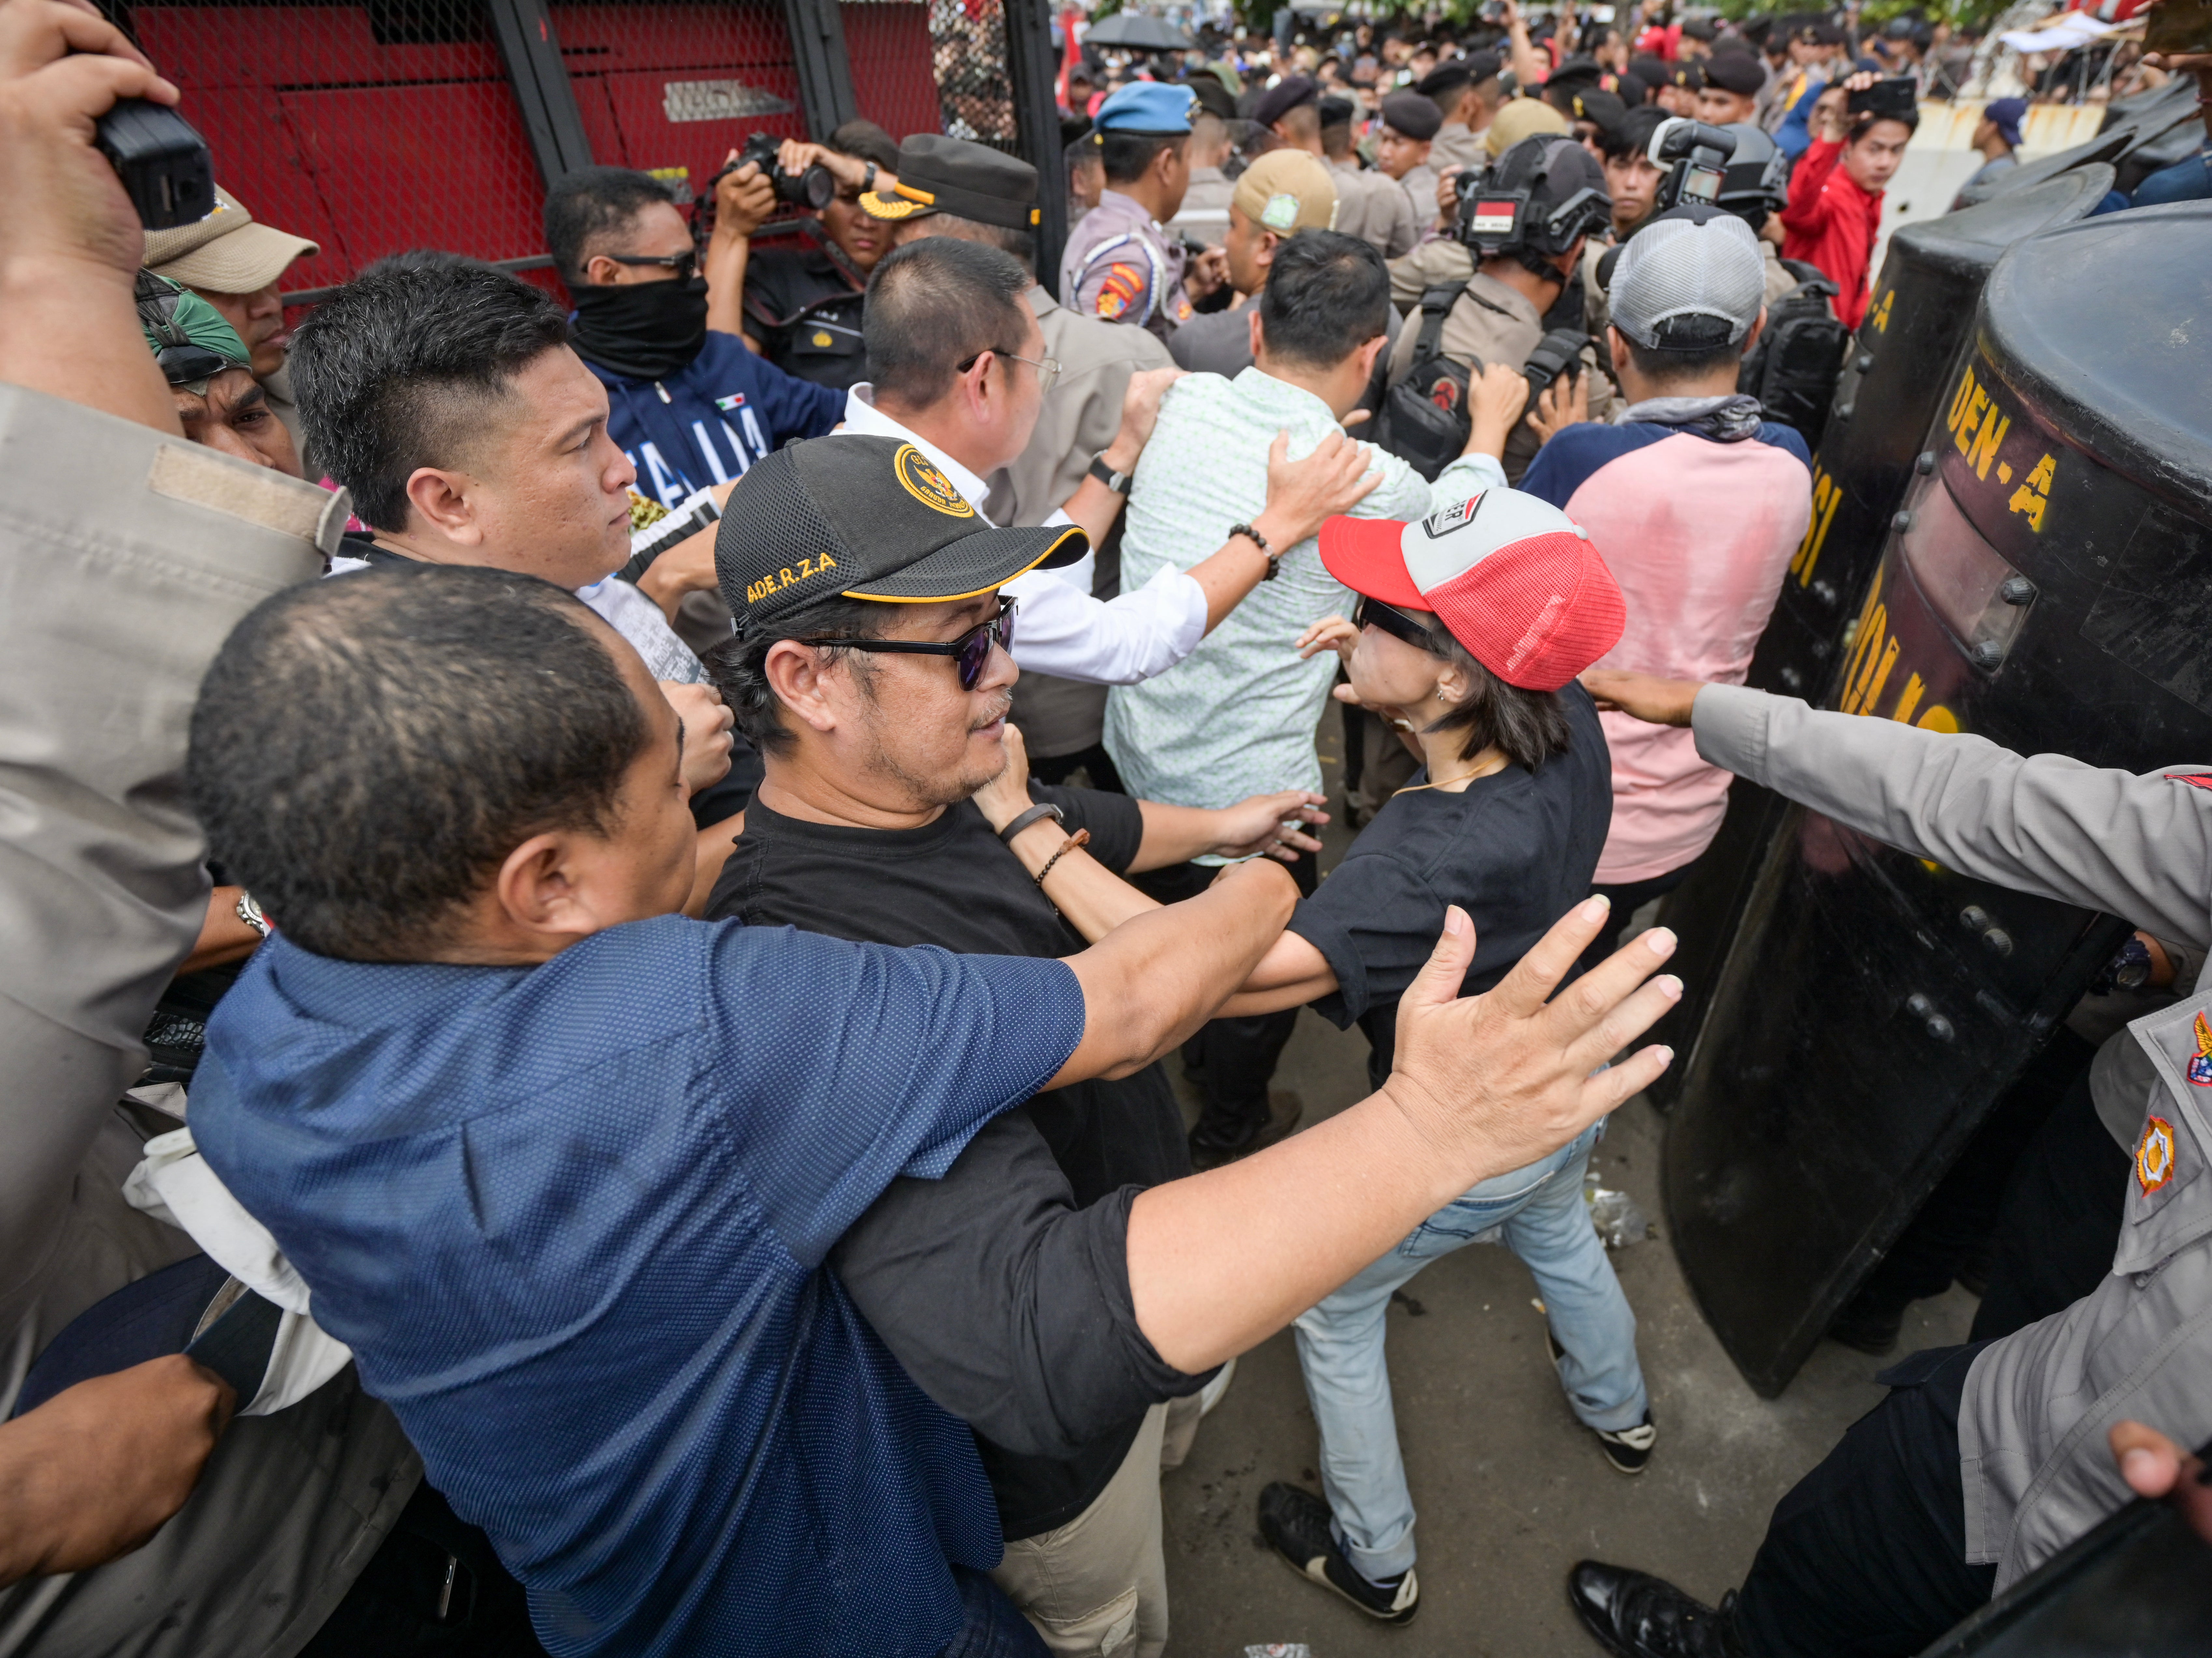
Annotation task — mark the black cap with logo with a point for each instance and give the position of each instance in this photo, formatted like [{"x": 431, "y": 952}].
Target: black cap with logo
[
  {"x": 938, "y": 174},
  {"x": 850, "y": 516}
]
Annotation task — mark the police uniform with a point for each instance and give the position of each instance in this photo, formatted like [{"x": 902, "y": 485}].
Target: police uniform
[
  {"x": 1420, "y": 188},
  {"x": 1370, "y": 206},
  {"x": 803, "y": 304},
  {"x": 1779, "y": 281},
  {"x": 1122, "y": 265},
  {"x": 1204, "y": 215}
]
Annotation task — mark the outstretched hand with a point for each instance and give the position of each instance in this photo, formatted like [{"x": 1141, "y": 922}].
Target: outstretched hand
[
  {"x": 1644, "y": 696},
  {"x": 1270, "y": 824},
  {"x": 2155, "y": 1467},
  {"x": 1496, "y": 1081}
]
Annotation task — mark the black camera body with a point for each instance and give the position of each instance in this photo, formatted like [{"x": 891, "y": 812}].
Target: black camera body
[
  {"x": 160, "y": 159},
  {"x": 811, "y": 188},
  {"x": 1892, "y": 100},
  {"x": 1695, "y": 159}
]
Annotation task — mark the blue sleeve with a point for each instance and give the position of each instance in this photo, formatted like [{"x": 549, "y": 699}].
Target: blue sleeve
[
  {"x": 1795, "y": 135},
  {"x": 797, "y": 408},
  {"x": 848, "y": 1065},
  {"x": 1567, "y": 460},
  {"x": 1787, "y": 439}
]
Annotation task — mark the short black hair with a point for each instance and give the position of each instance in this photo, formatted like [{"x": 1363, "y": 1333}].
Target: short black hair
[
  {"x": 1326, "y": 295},
  {"x": 1668, "y": 364},
  {"x": 592, "y": 206},
  {"x": 1871, "y": 120},
  {"x": 1125, "y": 155},
  {"x": 396, "y": 369},
  {"x": 866, "y": 141},
  {"x": 739, "y": 666},
  {"x": 366, "y": 751},
  {"x": 933, "y": 304},
  {"x": 1528, "y": 727},
  {"x": 1632, "y": 136}
]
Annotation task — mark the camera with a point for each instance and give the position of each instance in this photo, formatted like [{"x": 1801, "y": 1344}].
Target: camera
[
  {"x": 162, "y": 162},
  {"x": 1695, "y": 158},
  {"x": 1894, "y": 99},
  {"x": 810, "y": 188}
]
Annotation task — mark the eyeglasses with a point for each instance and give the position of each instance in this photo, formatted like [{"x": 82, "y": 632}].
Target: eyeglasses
[
  {"x": 685, "y": 264},
  {"x": 1047, "y": 367},
  {"x": 971, "y": 652},
  {"x": 1374, "y": 613}
]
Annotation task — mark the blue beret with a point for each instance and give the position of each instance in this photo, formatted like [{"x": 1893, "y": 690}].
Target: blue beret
[{"x": 1145, "y": 106}]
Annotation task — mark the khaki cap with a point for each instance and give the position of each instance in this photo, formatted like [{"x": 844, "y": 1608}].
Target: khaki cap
[
  {"x": 1522, "y": 117},
  {"x": 1287, "y": 190},
  {"x": 227, "y": 251}
]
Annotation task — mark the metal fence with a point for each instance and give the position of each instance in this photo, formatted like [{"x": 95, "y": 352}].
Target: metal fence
[{"x": 968, "y": 44}]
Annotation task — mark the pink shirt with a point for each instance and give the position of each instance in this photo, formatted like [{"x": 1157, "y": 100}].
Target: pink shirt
[{"x": 1699, "y": 535}]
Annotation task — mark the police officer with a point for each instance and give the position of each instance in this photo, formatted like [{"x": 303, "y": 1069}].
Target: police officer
[
  {"x": 1385, "y": 219},
  {"x": 951, "y": 188},
  {"x": 1204, "y": 215},
  {"x": 803, "y": 297},
  {"x": 1984, "y": 1461},
  {"x": 1120, "y": 264},
  {"x": 1524, "y": 231},
  {"x": 1402, "y": 148}
]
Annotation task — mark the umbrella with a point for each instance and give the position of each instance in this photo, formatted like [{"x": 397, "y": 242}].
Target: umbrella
[{"x": 1139, "y": 30}]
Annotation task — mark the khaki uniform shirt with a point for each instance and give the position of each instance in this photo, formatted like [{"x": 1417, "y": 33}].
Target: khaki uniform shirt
[
  {"x": 1122, "y": 266},
  {"x": 1204, "y": 215},
  {"x": 1442, "y": 260},
  {"x": 1078, "y": 417},
  {"x": 2032, "y": 1455},
  {"x": 1493, "y": 323},
  {"x": 1420, "y": 185},
  {"x": 1370, "y": 206},
  {"x": 1780, "y": 282},
  {"x": 1455, "y": 147}
]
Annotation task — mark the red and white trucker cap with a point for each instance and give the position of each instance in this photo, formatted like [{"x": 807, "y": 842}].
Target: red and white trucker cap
[{"x": 1515, "y": 580}]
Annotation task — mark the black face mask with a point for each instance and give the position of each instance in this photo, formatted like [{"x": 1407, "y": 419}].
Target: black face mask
[{"x": 644, "y": 330}]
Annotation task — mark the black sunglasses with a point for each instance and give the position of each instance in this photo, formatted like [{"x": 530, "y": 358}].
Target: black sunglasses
[
  {"x": 685, "y": 264},
  {"x": 1374, "y": 613},
  {"x": 971, "y": 652}
]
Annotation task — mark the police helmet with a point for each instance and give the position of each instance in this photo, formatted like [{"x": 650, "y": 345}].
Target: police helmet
[
  {"x": 1757, "y": 181},
  {"x": 1540, "y": 197}
]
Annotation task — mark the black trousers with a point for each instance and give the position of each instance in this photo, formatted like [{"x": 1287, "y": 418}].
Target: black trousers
[
  {"x": 1234, "y": 1060},
  {"x": 1866, "y": 1556}
]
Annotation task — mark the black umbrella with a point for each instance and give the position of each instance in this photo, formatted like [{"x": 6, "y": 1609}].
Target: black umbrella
[{"x": 1139, "y": 30}]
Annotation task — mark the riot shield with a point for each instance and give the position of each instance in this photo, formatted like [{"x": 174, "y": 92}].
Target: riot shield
[
  {"x": 1915, "y": 323},
  {"x": 2047, "y": 583}
]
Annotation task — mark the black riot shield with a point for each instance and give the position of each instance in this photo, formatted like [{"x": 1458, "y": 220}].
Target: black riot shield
[
  {"x": 2047, "y": 583},
  {"x": 1916, "y": 322}
]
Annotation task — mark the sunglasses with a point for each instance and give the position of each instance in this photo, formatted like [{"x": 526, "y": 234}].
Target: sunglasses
[
  {"x": 1374, "y": 613},
  {"x": 685, "y": 264},
  {"x": 971, "y": 652}
]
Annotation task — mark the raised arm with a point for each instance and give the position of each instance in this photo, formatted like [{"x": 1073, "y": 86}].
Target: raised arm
[{"x": 2101, "y": 838}]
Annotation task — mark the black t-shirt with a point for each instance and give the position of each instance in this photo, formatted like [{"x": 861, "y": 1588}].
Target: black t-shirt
[
  {"x": 1003, "y": 1287},
  {"x": 1516, "y": 850},
  {"x": 803, "y": 303}
]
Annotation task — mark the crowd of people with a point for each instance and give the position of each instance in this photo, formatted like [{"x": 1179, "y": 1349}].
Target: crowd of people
[{"x": 643, "y": 1126}]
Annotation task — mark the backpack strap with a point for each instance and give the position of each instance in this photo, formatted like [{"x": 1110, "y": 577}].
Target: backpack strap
[{"x": 1436, "y": 305}]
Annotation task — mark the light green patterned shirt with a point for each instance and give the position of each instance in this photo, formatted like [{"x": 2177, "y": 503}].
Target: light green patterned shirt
[{"x": 1237, "y": 716}]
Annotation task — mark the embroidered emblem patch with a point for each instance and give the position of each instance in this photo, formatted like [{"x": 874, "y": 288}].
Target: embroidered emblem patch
[
  {"x": 1123, "y": 285},
  {"x": 1281, "y": 213},
  {"x": 820, "y": 340},
  {"x": 2154, "y": 1156},
  {"x": 1445, "y": 393},
  {"x": 2200, "y": 1063},
  {"x": 927, "y": 485}
]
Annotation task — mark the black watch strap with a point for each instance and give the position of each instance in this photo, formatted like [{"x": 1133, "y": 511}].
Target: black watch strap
[
  {"x": 1035, "y": 814},
  {"x": 1117, "y": 481}
]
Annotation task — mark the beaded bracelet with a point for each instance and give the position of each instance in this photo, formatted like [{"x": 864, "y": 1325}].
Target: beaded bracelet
[{"x": 1080, "y": 838}]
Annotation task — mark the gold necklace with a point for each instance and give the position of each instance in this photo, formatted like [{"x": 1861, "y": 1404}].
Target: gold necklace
[{"x": 1487, "y": 762}]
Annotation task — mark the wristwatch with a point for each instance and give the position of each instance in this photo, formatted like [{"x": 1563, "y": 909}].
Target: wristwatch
[
  {"x": 868, "y": 180},
  {"x": 250, "y": 913},
  {"x": 1035, "y": 814},
  {"x": 1117, "y": 481}
]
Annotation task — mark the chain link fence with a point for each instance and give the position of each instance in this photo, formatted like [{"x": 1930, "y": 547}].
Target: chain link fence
[{"x": 968, "y": 41}]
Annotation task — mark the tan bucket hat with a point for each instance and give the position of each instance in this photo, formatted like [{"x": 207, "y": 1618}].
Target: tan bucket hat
[{"x": 228, "y": 250}]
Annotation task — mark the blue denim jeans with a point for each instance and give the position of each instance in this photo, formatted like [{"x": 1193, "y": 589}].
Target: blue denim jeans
[{"x": 1546, "y": 1223}]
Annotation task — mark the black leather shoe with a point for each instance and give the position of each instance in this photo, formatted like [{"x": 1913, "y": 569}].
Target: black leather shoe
[{"x": 1636, "y": 1615}]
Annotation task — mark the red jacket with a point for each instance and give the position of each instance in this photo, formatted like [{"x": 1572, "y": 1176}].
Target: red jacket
[{"x": 1831, "y": 223}]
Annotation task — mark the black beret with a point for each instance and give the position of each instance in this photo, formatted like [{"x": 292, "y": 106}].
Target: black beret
[
  {"x": 1735, "y": 71},
  {"x": 1285, "y": 95},
  {"x": 1444, "y": 81},
  {"x": 1337, "y": 112},
  {"x": 1415, "y": 117},
  {"x": 1213, "y": 97}
]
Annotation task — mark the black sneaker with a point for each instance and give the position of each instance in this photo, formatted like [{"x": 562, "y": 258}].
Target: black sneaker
[
  {"x": 1629, "y": 1449},
  {"x": 1870, "y": 1328},
  {"x": 1633, "y": 1614},
  {"x": 1297, "y": 1523}
]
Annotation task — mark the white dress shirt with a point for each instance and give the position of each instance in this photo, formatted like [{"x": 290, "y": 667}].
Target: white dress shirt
[{"x": 1062, "y": 629}]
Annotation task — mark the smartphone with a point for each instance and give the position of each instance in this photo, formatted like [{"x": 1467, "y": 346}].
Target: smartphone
[{"x": 2178, "y": 26}]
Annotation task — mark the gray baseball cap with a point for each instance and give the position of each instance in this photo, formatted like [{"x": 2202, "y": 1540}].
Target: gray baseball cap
[{"x": 1691, "y": 280}]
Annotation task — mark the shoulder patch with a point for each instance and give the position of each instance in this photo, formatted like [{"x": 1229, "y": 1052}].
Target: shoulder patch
[{"x": 1123, "y": 286}]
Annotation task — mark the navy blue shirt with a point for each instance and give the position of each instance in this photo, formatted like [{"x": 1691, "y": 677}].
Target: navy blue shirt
[
  {"x": 571, "y": 1219},
  {"x": 710, "y": 422}
]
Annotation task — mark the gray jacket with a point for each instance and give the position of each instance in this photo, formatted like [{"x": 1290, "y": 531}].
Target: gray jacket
[{"x": 2032, "y": 1428}]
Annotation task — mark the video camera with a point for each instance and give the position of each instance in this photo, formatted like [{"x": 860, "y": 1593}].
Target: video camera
[
  {"x": 1694, "y": 157},
  {"x": 812, "y": 187}
]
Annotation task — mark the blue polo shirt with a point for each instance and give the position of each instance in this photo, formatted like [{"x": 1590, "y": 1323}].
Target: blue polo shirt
[
  {"x": 571, "y": 1219},
  {"x": 710, "y": 421}
]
